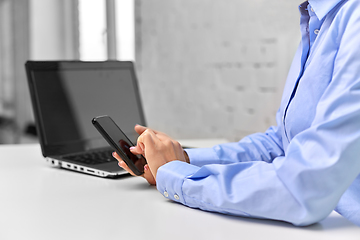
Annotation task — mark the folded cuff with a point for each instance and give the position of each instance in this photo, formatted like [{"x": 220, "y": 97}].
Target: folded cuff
[{"x": 170, "y": 178}]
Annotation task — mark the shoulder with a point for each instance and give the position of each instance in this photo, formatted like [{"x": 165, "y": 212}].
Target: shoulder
[
  {"x": 345, "y": 19},
  {"x": 347, "y": 10}
]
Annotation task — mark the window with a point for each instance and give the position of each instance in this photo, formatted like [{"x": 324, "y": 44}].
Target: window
[
  {"x": 125, "y": 29},
  {"x": 106, "y": 29},
  {"x": 56, "y": 30},
  {"x": 92, "y": 30},
  {"x": 82, "y": 29}
]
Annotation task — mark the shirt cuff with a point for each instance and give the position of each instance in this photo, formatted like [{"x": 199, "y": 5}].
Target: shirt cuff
[
  {"x": 202, "y": 156},
  {"x": 170, "y": 178}
]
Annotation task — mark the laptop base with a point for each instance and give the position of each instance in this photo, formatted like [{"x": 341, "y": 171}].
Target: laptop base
[{"x": 84, "y": 169}]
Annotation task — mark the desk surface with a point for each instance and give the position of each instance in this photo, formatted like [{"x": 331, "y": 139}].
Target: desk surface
[{"x": 42, "y": 202}]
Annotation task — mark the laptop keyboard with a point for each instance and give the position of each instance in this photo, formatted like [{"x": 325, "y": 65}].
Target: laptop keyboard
[{"x": 92, "y": 158}]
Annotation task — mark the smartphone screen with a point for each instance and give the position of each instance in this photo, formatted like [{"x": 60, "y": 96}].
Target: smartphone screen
[{"x": 120, "y": 143}]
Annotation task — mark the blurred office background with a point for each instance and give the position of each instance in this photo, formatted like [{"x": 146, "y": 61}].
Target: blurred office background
[{"x": 206, "y": 68}]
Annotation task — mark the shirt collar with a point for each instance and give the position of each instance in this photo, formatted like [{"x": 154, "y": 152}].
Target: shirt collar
[
  {"x": 323, "y": 7},
  {"x": 303, "y": 8}
]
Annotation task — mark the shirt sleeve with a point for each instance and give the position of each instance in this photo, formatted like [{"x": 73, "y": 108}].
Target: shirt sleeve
[
  {"x": 255, "y": 147},
  {"x": 301, "y": 186}
]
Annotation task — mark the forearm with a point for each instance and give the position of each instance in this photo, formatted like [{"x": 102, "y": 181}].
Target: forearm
[
  {"x": 301, "y": 187},
  {"x": 301, "y": 196},
  {"x": 256, "y": 147}
]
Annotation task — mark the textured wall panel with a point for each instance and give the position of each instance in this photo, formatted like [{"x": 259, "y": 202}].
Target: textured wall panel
[{"x": 214, "y": 68}]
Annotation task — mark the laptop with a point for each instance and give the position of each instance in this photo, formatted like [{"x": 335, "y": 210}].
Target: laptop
[{"x": 67, "y": 95}]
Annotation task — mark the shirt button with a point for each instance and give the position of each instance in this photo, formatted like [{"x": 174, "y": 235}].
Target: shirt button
[
  {"x": 166, "y": 194},
  {"x": 316, "y": 31},
  {"x": 176, "y": 197}
]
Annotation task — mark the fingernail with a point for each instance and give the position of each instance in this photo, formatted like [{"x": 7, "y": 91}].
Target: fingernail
[
  {"x": 113, "y": 154},
  {"x": 146, "y": 167},
  {"x": 132, "y": 148}
]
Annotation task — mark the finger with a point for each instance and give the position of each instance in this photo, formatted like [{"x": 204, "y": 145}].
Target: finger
[
  {"x": 140, "y": 143},
  {"x": 122, "y": 164},
  {"x": 140, "y": 129},
  {"x": 146, "y": 142},
  {"x": 148, "y": 139},
  {"x": 136, "y": 150},
  {"x": 148, "y": 175},
  {"x": 116, "y": 156}
]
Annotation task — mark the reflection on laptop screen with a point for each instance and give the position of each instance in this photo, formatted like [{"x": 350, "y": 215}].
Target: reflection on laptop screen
[{"x": 68, "y": 99}]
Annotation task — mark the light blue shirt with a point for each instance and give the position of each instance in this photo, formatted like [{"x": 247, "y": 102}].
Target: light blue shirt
[{"x": 307, "y": 165}]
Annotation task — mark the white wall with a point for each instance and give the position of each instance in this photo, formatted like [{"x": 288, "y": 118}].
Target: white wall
[
  {"x": 206, "y": 68},
  {"x": 46, "y": 39},
  {"x": 214, "y": 68},
  {"x": 53, "y": 30}
]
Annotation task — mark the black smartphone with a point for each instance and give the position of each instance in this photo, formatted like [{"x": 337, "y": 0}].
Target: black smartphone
[{"x": 120, "y": 143}]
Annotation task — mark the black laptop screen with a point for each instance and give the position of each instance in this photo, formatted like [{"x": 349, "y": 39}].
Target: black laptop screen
[{"x": 67, "y": 98}]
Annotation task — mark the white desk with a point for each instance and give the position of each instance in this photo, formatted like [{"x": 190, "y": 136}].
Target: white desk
[{"x": 39, "y": 202}]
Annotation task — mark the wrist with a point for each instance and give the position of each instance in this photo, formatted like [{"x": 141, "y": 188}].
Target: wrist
[{"x": 187, "y": 159}]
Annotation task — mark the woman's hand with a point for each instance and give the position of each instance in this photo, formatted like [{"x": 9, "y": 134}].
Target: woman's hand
[
  {"x": 157, "y": 148},
  {"x": 147, "y": 173}
]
